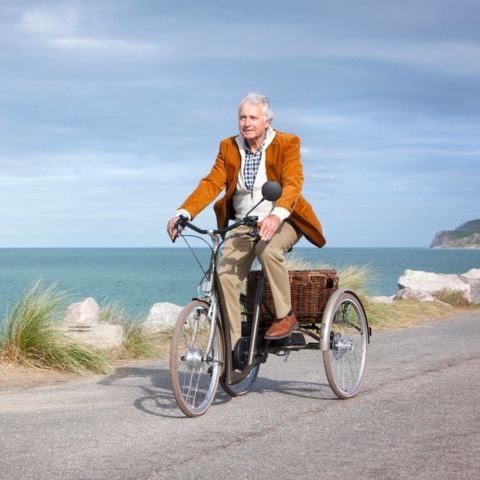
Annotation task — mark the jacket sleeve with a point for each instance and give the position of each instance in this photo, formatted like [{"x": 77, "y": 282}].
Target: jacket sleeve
[{"x": 208, "y": 188}]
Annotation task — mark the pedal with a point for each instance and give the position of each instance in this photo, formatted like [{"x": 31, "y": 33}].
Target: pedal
[{"x": 296, "y": 338}]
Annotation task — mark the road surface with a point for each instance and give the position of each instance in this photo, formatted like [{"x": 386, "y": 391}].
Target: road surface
[{"x": 417, "y": 416}]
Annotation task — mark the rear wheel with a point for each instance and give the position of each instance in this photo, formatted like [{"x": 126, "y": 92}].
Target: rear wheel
[
  {"x": 346, "y": 359},
  {"x": 194, "y": 372}
]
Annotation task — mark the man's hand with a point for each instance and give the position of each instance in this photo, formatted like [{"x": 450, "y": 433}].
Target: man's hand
[
  {"x": 269, "y": 226},
  {"x": 172, "y": 233}
]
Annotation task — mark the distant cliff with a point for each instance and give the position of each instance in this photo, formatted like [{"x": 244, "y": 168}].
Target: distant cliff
[{"x": 466, "y": 235}]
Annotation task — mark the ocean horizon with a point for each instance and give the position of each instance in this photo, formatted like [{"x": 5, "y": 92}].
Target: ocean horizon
[{"x": 140, "y": 277}]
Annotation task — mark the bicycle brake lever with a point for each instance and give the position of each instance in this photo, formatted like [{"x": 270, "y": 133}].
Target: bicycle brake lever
[{"x": 178, "y": 230}]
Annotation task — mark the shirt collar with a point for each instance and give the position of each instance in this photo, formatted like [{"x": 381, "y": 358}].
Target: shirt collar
[{"x": 247, "y": 148}]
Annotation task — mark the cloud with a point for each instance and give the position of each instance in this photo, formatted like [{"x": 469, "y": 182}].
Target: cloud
[
  {"x": 64, "y": 29},
  {"x": 104, "y": 45},
  {"x": 50, "y": 23},
  {"x": 115, "y": 109}
]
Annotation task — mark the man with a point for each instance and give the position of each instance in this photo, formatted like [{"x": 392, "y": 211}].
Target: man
[{"x": 244, "y": 163}]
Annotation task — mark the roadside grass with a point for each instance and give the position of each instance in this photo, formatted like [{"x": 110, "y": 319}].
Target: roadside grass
[
  {"x": 30, "y": 335},
  {"x": 456, "y": 300},
  {"x": 403, "y": 313},
  {"x": 138, "y": 342}
]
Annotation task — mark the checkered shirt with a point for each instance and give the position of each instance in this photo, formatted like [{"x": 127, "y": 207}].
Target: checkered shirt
[{"x": 252, "y": 161}]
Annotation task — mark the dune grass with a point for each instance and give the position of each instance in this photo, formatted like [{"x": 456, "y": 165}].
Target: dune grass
[
  {"x": 456, "y": 300},
  {"x": 30, "y": 335},
  {"x": 138, "y": 342}
]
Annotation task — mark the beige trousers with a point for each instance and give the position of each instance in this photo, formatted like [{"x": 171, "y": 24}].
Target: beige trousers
[{"x": 236, "y": 262}]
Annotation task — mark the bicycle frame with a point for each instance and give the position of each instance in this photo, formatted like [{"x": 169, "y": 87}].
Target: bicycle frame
[
  {"x": 216, "y": 300},
  {"x": 217, "y": 310}
]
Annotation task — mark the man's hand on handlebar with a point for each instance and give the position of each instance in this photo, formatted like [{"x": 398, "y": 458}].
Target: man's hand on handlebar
[
  {"x": 269, "y": 226},
  {"x": 171, "y": 230}
]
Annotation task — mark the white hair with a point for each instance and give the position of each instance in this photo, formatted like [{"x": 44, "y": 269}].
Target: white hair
[{"x": 254, "y": 98}]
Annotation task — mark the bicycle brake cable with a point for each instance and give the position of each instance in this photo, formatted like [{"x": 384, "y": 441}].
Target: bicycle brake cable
[{"x": 193, "y": 253}]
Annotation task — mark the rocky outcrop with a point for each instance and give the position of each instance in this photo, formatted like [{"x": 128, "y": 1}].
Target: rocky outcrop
[
  {"x": 467, "y": 284},
  {"x": 471, "y": 226},
  {"x": 81, "y": 324},
  {"x": 472, "y": 278},
  {"x": 423, "y": 286},
  {"x": 454, "y": 239},
  {"x": 406, "y": 293},
  {"x": 383, "y": 299},
  {"x": 162, "y": 316},
  {"x": 103, "y": 336},
  {"x": 466, "y": 235},
  {"x": 432, "y": 283},
  {"x": 82, "y": 313}
]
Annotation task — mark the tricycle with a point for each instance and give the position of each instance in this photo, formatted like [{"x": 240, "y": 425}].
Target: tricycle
[{"x": 201, "y": 348}]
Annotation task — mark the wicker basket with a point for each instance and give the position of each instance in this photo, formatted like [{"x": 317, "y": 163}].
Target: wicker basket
[{"x": 310, "y": 291}]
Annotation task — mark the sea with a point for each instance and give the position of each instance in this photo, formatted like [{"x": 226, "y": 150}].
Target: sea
[{"x": 138, "y": 278}]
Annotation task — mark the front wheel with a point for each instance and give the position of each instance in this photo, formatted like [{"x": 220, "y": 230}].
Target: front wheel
[
  {"x": 194, "y": 372},
  {"x": 345, "y": 360}
]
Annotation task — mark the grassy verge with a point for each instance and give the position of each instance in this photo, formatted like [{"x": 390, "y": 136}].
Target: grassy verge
[
  {"x": 399, "y": 314},
  {"x": 456, "y": 300},
  {"x": 138, "y": 342},
  {"x": 30, "y": 335}
]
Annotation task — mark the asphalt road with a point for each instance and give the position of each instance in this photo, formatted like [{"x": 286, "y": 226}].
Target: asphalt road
[{"x": 417, "y": 416}]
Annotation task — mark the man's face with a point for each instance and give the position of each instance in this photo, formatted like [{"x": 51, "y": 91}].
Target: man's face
[{"x": 252, "y": 123}]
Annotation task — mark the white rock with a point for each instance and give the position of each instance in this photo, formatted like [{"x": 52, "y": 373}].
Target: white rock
[
  {"x": 162, "y": 315},
  {"x": 472, "y": 278},
  {"x": 383, "y": 299},
  {"x": 103, "y": 336},
  {"x": 432, "y": 283},
  {"x": 82, "y": 313},
  {"x": 405, "y": 293}
]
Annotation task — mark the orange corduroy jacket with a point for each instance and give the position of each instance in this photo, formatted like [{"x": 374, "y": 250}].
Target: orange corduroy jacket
[{"x": 283, "y": 165}]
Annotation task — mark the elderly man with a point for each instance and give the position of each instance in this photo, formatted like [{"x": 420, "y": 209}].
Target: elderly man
[{"x": 244, "y": 163}]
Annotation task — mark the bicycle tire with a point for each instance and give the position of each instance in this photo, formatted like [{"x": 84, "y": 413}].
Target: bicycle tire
[
  {"x": 195, "y": 381},
  {"x": 346, "y": 359}
]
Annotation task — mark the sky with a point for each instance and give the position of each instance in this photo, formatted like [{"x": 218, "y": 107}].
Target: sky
[{"x": 111, "y": 111}]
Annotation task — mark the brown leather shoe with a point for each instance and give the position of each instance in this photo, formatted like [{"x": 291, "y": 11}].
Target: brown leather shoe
[{"x": 282, "y": 328}]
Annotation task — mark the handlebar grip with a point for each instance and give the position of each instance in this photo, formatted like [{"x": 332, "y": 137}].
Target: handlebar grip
[{"x": 178, "y": 227}]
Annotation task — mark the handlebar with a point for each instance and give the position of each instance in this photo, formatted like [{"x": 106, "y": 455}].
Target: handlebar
[{"x": 248, "y": 221}]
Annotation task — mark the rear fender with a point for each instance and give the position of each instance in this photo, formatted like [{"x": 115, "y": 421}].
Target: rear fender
[{"x": 327, "y": 317}]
